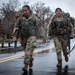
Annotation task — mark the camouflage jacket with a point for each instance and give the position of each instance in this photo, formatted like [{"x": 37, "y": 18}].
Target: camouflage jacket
[
  {"x": 26, "y": 27},
  {"x": 61, "y": 27}
]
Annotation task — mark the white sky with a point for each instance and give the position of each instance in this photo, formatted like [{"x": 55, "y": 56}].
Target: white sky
[{"x": 66, "y": 5}]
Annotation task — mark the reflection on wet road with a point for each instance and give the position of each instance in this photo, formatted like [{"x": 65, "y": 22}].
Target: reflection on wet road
[
  {"x": 58, "y": 72},
  {"x": 44, "y": 64}
]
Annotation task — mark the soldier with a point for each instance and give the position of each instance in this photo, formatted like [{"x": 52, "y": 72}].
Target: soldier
[
  {"x": 60, "y": 29},
  {"x": 26, "y": 27}
]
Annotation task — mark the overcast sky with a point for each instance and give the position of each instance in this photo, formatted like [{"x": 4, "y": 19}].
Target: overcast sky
[{"x": 66, "y": 5}]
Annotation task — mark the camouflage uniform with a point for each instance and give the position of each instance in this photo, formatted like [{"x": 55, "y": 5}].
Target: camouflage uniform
[
  {"x": 60, "y": 29},
  {"x": 26, "y": 29}
]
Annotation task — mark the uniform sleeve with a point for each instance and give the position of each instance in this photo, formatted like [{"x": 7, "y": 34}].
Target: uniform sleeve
[
  {"x": 16, "y": 28},
  {"x": 51, "y": 27}
]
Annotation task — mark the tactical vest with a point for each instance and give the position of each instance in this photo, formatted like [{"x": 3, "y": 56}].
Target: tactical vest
[
  {"x": 28, "y": 26},
  {"x": 59, "y": 27}
]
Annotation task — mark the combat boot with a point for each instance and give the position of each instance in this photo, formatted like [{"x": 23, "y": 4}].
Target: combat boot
[
  {"x": 66, "y": 58},
  {"x": 31, "y": 63},
  {"x": 59, "y": 65},
  {"x": 25, "y": 68}
]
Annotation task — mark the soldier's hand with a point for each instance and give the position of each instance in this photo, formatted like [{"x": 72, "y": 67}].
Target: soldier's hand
[{"x": 14, "y": 38}]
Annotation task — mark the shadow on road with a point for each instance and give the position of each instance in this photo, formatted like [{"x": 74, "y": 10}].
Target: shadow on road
[
  {"x": 62, "y": 72},
  {"x": 30, "y": 72},
  {"x": 66, "y": 70}
]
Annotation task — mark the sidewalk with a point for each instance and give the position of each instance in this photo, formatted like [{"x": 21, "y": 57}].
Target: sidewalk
[{"x": 13, "y": 49}]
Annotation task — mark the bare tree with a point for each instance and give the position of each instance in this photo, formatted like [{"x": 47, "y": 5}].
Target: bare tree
[
  {"x": 8, "y": 12},
  {"x": 41, "y": 10},
  {"x": 25, "y": 3}
]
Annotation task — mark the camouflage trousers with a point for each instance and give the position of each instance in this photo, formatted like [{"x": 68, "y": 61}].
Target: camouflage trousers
[
  {"x": 29, "y": 49},
  {"x": 61, "y": 45}
]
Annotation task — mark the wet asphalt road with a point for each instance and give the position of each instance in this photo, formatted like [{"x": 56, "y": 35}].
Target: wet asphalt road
[{"x": 44, "y": 64}]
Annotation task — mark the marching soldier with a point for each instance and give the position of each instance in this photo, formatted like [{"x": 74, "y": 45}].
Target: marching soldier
[
  {"x": 26, "y": 27},
  {"x": 60, "y": 29}
]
